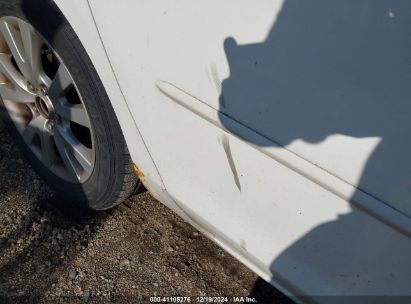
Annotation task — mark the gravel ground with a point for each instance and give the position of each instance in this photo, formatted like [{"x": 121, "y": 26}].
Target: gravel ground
[{"x": 52, "y": 253}]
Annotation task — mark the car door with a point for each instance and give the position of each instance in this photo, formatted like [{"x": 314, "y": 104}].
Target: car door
[{"x": 280, "y": 125}]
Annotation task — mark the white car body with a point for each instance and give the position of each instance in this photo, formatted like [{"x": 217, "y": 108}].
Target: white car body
[{"x": 229, "y": 112}]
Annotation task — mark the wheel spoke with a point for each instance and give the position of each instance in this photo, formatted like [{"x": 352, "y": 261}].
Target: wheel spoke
[
  {"x": 35, "y": 127},
  {"x": 32, "y": 46},
  {"x": 13, "y": 93},
  {"x": 48, "y": 153},
  {"x": 76, "y": 156},
  {"x": 17, "y": 48},
  {"x": 61, "y": 81},
  {"x": 8, "y": 69},
  {"x": 17, "y": 89},
  {"x": 76, "y": 113},
  {"x": 71, "y": 164}
]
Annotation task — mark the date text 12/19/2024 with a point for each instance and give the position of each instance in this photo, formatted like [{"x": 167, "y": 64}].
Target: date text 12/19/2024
[{"x": 203, "y": 299}]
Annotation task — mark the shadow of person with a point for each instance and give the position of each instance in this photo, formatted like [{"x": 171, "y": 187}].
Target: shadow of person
[{"x": 327, "y": 69}]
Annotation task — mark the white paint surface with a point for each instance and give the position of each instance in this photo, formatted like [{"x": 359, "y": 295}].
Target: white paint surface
[{"x": 281, "y": 223}]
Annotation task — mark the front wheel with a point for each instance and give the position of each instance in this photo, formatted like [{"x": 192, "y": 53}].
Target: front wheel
[{"x": 56, "y": 108}]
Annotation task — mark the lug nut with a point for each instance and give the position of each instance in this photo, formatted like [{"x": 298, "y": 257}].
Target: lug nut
[
  {"x": 43, "y": 90},
  {"x": 49, "y": 125},
  {"x": 30, "y": 87}
]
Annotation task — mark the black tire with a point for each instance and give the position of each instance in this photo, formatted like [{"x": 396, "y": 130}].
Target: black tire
[{"x": 113, "y": 178}]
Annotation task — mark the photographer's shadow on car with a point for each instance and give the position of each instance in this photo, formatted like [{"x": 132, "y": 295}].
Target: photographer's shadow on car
[{"x": 332, "y": 69}]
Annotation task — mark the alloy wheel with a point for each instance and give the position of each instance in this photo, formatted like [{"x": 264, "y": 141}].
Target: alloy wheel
[{"x": 44, "y": 103}]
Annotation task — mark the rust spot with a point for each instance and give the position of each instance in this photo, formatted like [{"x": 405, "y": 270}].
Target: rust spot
[
  {"x": 141, "y": 177},
  {"x": 139, "y": 173}
]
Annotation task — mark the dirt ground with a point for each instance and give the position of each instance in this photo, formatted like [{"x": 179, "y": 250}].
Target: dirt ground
[{"x": 52, "y": 253}]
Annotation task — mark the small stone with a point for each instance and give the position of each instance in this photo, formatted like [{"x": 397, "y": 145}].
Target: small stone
[
  {"x": 155, "y": 284},
  {"x": 73, "y": 273},
  {"x": 125, "y": 263},
  {"x": 86, "y": 295}
]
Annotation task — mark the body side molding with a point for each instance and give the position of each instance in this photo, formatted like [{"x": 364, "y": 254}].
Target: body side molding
[{"x": 364, "y": 201}]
